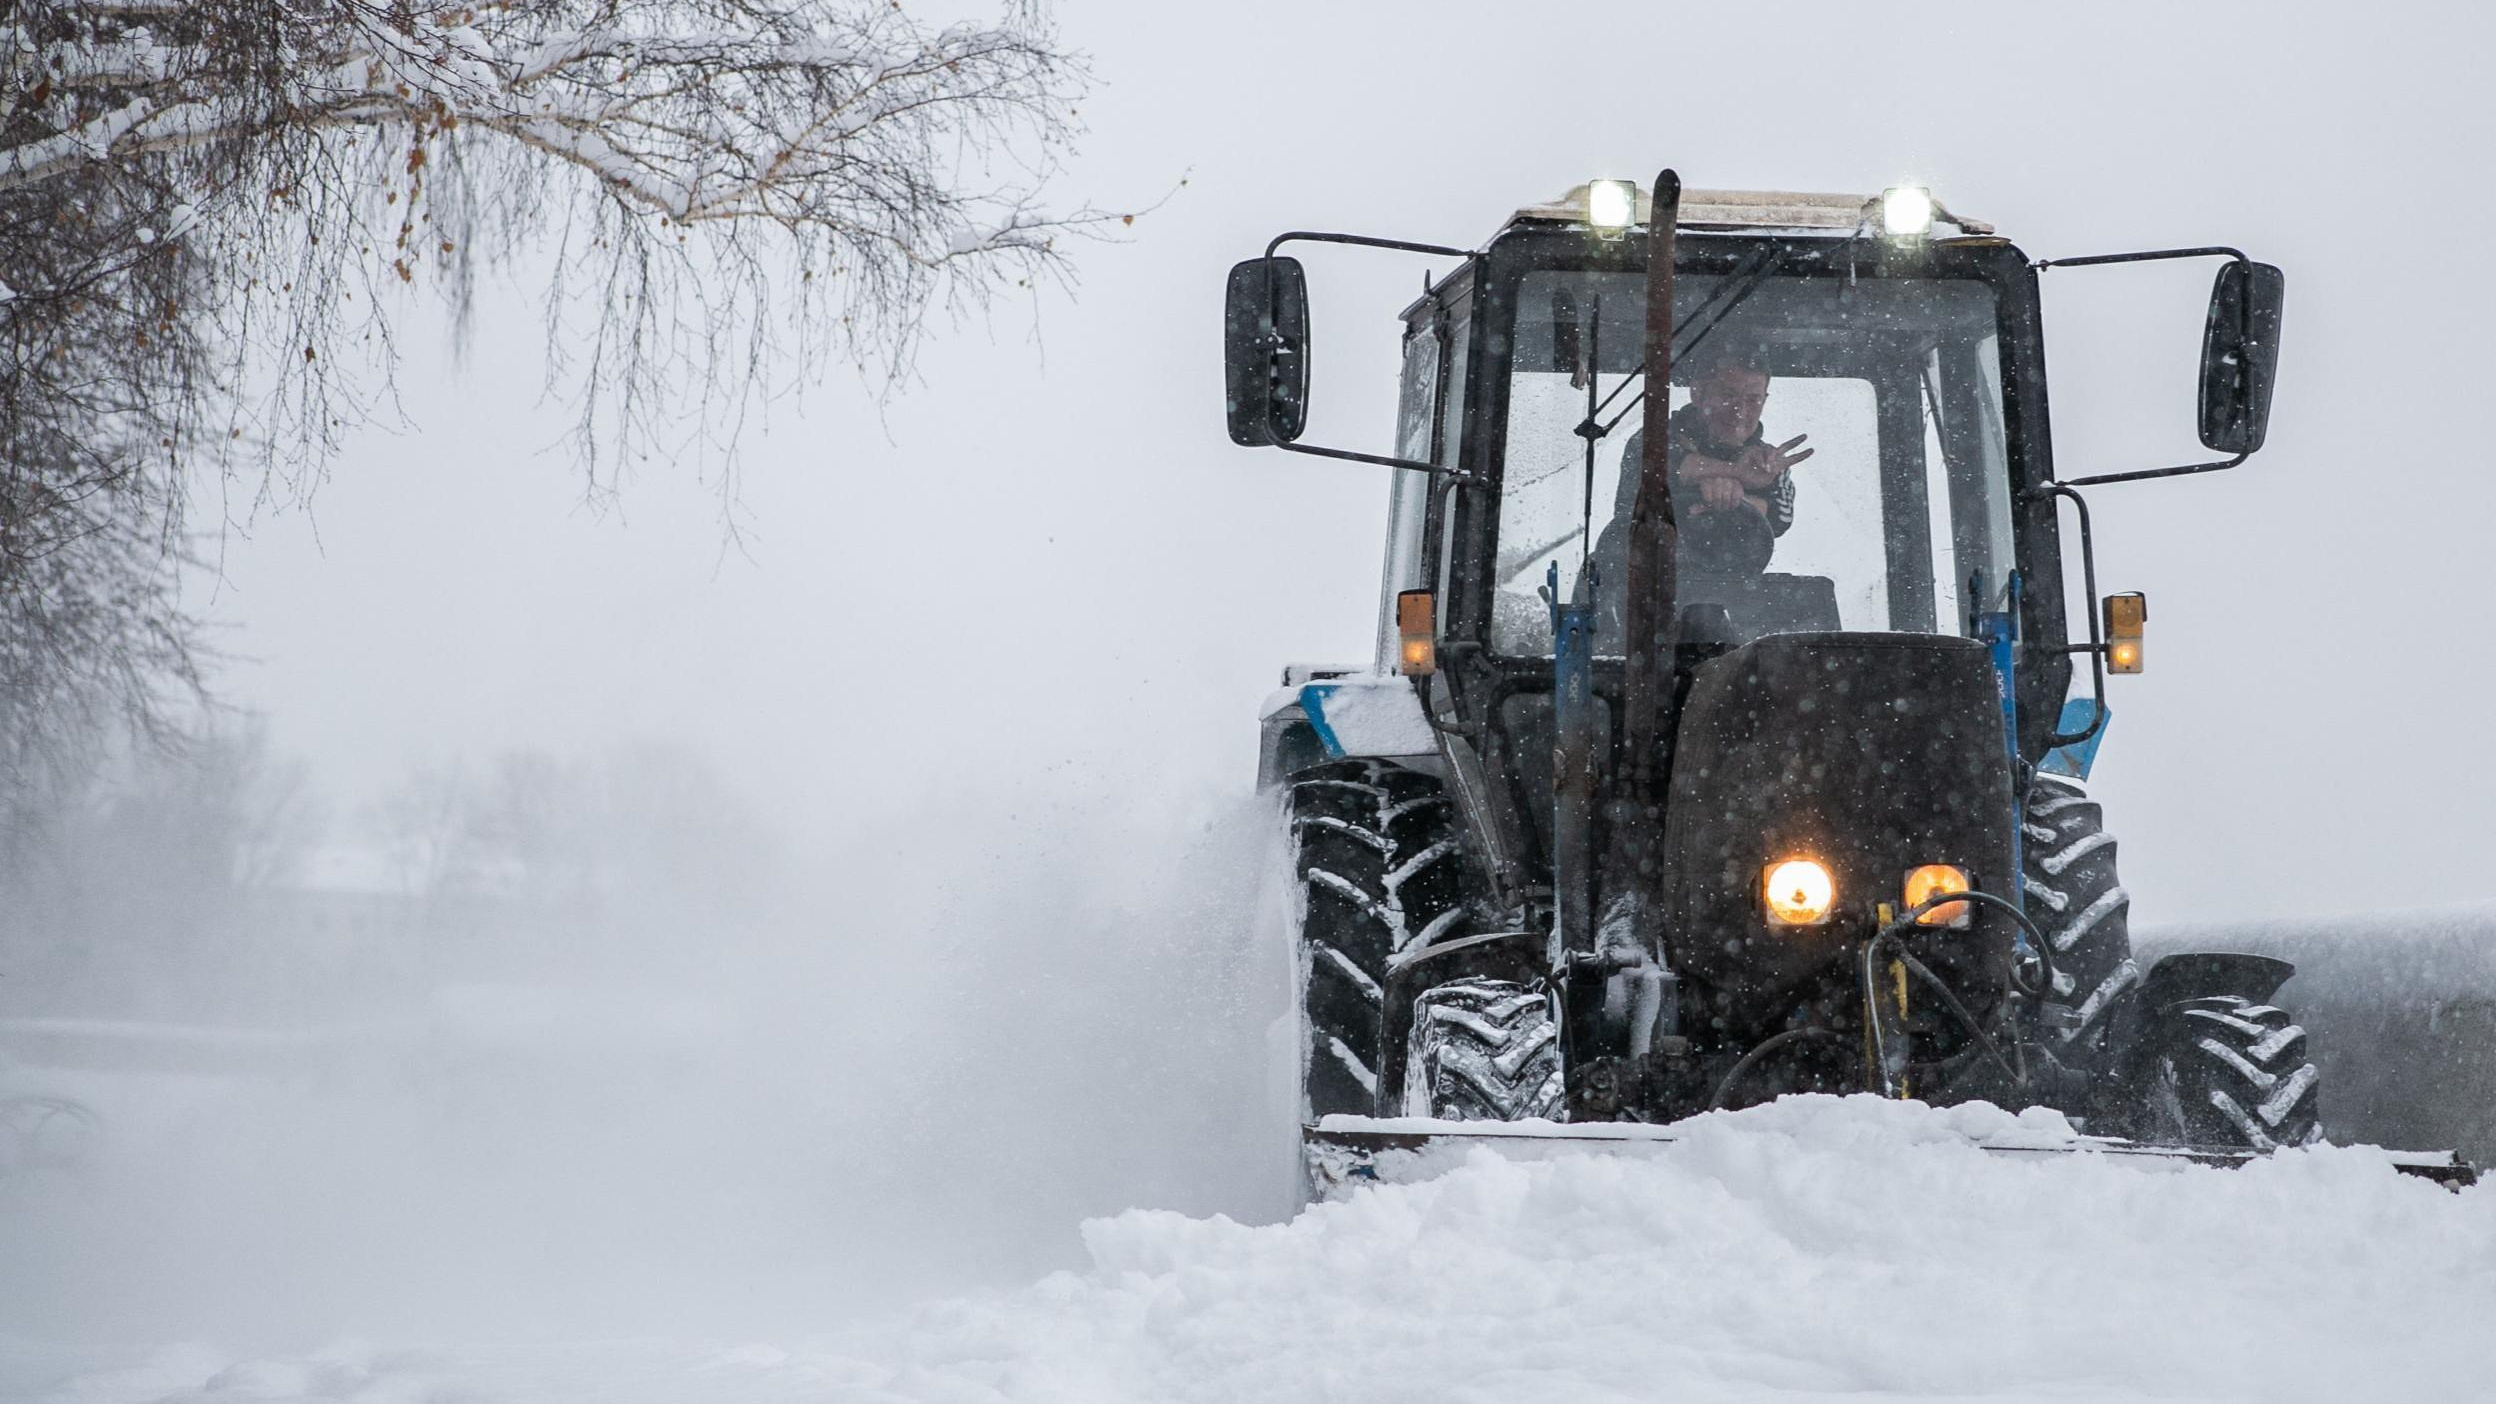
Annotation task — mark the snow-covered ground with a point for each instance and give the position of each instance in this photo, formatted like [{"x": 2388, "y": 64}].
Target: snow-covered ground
[
  {"x": 834, "y": 1172},
  {"x": 1814, "y": 1249}
]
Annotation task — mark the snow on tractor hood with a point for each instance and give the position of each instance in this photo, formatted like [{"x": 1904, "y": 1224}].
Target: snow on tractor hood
[{"x": 1362, "y": 714}]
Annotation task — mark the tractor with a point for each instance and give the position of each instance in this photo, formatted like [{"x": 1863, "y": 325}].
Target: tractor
[{"x": 1727, "y": 735}]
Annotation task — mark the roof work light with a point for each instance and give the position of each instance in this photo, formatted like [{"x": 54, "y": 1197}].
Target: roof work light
[
  {"x": 1907, "y": 212},
  {"x": 1611, "y": 205}
]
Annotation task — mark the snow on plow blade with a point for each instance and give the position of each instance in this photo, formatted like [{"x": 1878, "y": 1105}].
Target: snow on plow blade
[{"x": 1343, "y": 1153}]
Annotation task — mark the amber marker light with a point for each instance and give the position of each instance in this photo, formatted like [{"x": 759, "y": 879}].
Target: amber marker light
[
  {"x": 1416, "y": 624},
  {"x": 2126, "y": 618},
  {"x": 1939, "y": 880},
  {"x": 1797, "y": 892}
]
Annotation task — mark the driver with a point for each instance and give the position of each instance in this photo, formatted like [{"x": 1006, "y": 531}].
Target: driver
[
  {"x": 1733, "y": 491},
  {"x": 1720, "y": 458}
]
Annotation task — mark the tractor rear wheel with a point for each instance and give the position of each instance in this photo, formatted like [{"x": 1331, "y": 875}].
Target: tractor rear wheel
[
  {"x": 1484, "y": 1050},
  {"x": 2225, "y": 1071},
  {"x": 2067, "y": 876},
  {"x": 1379, "y": 870}
]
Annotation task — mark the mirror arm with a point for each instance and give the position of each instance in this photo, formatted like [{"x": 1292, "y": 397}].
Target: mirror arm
[
  {"x": 2149, "y": 256},
  {"x": 2096, "y": 646},
  {"x": 1455, "y": 475},
  {"x": 2141, "y": 473},
  {"x": 1365, "y": 241}
]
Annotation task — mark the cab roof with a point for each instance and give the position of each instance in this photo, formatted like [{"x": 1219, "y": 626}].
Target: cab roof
[{"x": 1748, "y": 209}]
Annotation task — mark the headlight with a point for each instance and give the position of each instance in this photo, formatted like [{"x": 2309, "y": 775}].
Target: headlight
[
  {"x": 1611, "y": 205},
  {"x": 1939, "y": 880},
  {"x": 1906, "y": 212},
  {"x": 1797, "y": 892}
]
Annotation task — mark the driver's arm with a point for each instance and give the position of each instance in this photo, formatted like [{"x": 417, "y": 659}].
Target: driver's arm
[
  {"x": 1692, "y": 468},
  {"x": 1776, "y": 504},
  {"x": 1703, "y": 483}
]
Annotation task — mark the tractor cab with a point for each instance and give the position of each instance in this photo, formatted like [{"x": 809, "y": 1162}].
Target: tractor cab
[
  {"x": 1886, "y": 365},
  {"x": 1893, "y": 365}
]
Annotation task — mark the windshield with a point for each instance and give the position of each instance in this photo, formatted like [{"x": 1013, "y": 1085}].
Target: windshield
[{"x": 1835, "y": 457}]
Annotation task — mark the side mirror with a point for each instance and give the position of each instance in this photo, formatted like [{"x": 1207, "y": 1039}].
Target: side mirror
[
  {"x": 1265, "y": 351},
  {"x": 2240, "y": 355}
]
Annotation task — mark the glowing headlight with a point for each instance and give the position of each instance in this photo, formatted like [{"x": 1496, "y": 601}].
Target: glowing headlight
[
  {"x": 1611, "y": 205},
  {"x": 1939, "y": 880},
  {"x": 1797, "y": 892},
  {"x": 1906, "y": 212}
]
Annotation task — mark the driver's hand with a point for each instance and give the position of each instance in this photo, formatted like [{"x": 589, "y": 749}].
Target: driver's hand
[
  {"x": 1719, "y": 492},
  {"x": 1762, "y": 464}
]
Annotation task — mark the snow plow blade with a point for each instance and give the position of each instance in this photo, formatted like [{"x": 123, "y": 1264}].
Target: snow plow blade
[{"x": 1344, "y": 1153}]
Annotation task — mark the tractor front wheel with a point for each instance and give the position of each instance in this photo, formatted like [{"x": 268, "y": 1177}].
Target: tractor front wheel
[
  {"x": 2224, "y": 1071},
  {"x": 1484, "y": 1050}
]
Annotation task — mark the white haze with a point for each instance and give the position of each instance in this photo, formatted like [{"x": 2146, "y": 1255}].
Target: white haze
[{"x": 989, "y": 665}]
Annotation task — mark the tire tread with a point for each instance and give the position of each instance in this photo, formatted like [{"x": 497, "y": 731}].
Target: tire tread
[
  {"x": 1378, "y": 868},
  {"x": 1484, "y": 1050}
]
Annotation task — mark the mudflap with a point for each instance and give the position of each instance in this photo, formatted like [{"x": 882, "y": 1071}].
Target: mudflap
[{"x": 1341, "y": 1155}]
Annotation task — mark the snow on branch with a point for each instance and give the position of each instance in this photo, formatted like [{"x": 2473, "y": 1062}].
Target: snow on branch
[
  {"x": 211, "y": 211},
  {"x": 831, "y": 163},
  {"x": 809, "y": 115}
]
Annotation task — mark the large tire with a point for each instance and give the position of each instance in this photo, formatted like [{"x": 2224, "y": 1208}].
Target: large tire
[
  {"x": 1484, "y": 1050},
  {"x": 1380, "y": 870},
  {"x": 2067, "y": 874},
  {"x": 2224, "y": 1071}
]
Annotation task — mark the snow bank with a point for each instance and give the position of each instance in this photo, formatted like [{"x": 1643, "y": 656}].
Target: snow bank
[{"x": 1814, "y": 1248}]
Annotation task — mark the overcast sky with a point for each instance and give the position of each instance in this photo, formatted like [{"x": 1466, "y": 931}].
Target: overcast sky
[{"x": 1045, "y": 569}]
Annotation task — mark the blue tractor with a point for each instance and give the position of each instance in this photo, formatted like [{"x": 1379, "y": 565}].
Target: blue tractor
[{"x": 1723, "y": 739}]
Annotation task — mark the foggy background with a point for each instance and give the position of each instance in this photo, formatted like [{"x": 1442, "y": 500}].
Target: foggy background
[
  {"x": 913, "y": 869},
  {"x": 1050, "y": 556}
]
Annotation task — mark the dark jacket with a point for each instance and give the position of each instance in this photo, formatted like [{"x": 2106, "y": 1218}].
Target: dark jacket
[
  {"x": 1731, "y": 542},
  {"x": 1689, "y": 433}
]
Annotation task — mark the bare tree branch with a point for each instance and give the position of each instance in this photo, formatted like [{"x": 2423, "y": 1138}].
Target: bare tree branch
[{"x": 212, "y": 212}]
